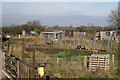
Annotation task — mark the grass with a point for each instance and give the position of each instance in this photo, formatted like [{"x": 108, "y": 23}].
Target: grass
[
  {"x": 15, "y": 38},
  {"x": 12, "y": 39},
  {"x": 64, "y": 54},
  {"x": 72, "y": 73},
  {"x": 59, "y": 73}
]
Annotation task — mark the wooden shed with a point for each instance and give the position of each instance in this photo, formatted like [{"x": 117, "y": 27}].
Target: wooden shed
[{"x": 51, "y": 37}]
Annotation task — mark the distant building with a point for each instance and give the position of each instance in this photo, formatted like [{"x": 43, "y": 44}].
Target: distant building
[
  {"x": 82, "y": 33},
  {"x": 105, "y": 35},
  {"x": 23, "y": 33},
  {"x": 97, "y": 35},
  {"x": 51, "y": 37},
  {"x": 69, "y": 33}
]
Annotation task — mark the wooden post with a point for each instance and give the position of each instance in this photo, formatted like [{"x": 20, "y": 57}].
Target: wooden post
[
  {"x": 108, "y": 61},
  {"x": 33, "y": 69},
  {"x": 18, "y": 70},
  {"x": 22, "y": 71},
  {"x": 113, "y": 58},
  {"x": 21, "y": 67},
  {"x": 8, "y": 46},
  {"x": 28, "y": 72},
  {"x": 23, "y": 49},
  {"x": 105, "y": 62},
  {"x": 23, "y": 76},
  {"x": 85, "y": 62},
  {"x": 90, "y": 62},
  {"x": 57, "y": 62},
  {"x": 98, "y": 65}
]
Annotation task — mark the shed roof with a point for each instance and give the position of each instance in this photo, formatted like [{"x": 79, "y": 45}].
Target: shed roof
[{"x": 52, "y": 32}]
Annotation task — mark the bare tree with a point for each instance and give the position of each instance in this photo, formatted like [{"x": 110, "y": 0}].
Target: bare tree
[{"x": 113, "y": 18}]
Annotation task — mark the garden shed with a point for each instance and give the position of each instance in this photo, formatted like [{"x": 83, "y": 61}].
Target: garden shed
[{"x": 51, "y": 37}]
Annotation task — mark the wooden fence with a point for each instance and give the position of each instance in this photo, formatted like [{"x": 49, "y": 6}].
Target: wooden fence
[
  {"x": 17, "y": 68},
  {"x": 20, "y": 69},
  {"x": 92, "y": 63},
  {"x": 57, "y": 63}
]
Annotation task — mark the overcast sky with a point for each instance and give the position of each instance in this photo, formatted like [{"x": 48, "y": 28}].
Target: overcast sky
[{"x": 57, "y": 13}]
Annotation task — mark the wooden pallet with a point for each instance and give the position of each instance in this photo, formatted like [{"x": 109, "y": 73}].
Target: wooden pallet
[{"x": 98, "y": 62}]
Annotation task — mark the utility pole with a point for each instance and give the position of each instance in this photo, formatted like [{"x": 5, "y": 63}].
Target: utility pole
[{"x": 110, "y": 44}]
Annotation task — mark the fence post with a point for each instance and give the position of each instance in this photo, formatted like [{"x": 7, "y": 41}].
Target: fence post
[
  {"x": 33, "y": 63},
  {"x": 85, "y": 62},
  {"x": 28, "y": 75},
  {"x": 8, "y": 46},
  {"x": 18, "y": 70},
  {"x": 113, "y": 58},
  {"x": 22, "y": 66},
  {"x": 23, "y": 48},
  {"x": 57, "y": 62}
]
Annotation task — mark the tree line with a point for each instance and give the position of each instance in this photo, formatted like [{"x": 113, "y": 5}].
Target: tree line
[{"x": 29, "y": 26}]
